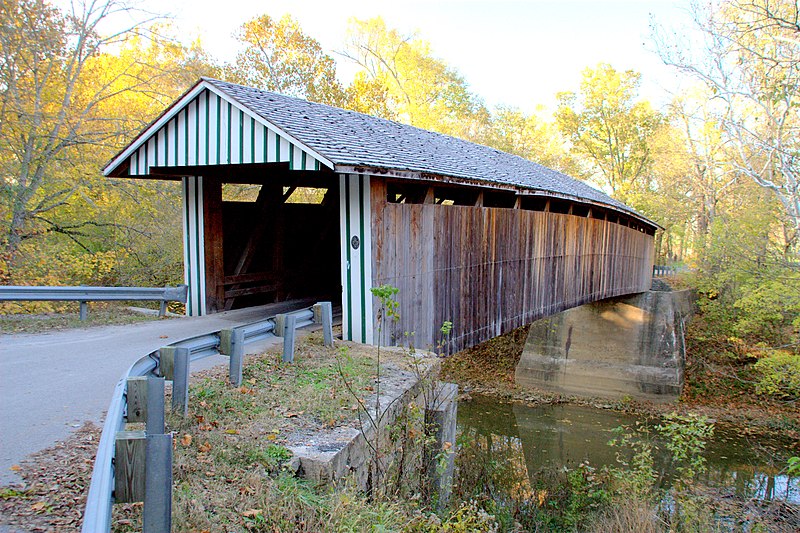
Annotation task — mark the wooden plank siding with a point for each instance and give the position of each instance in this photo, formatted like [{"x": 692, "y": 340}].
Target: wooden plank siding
[{"x": 490, "y": 270}]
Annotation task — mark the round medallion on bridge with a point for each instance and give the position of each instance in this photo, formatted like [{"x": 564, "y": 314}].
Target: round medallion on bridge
[{"x": 355, "y": 242}]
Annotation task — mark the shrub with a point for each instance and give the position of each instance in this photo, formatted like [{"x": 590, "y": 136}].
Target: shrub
[
  {"x": 768, "y": 309},
  {"x": 779, "y": 375}
]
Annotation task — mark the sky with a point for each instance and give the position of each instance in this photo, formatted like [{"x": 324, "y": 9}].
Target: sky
[{"x": 511, "y": 52}]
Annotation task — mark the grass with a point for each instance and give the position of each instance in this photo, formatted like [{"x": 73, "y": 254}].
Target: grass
[
  {"x": 232, "y": 472},
  {"x": 230, "y": 465},
  {"x": 99, "y": 315}
]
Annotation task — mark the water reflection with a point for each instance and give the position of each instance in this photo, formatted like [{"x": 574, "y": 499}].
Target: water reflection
[{"x": 526, "y": 442}]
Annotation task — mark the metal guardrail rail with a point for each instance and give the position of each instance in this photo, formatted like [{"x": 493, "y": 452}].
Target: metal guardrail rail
[
  {"x": 84, "y": 295},
  {"x": 97, "y": 514}
]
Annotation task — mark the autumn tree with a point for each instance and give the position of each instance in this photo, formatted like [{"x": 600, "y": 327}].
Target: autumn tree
[
  {"x": 413, "y": 86},
  {"x": 609, "y": 128},
  {"x": 748, "y": 55},
  {"x": 66, "y": 103},
  {"x": 279, "y": 57},
  {"x": 530, "y": 136}
]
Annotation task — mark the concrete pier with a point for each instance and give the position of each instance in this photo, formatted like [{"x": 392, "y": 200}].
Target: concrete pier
[{"x": 628, "y": 346}]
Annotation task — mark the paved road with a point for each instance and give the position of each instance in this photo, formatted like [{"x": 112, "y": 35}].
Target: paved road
[{"x": 51, "y": 383}]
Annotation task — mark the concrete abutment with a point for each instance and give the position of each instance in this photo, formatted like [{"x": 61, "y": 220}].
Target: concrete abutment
[{"x": 625, "y": 346}]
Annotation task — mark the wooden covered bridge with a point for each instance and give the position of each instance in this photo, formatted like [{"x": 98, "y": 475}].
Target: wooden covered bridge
[{"x": 346, "y": 202}]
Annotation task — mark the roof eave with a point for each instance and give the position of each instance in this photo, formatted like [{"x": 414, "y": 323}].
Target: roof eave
[
  {"x": 111, "y": 168},
  {"x": 477, "y": 182}
]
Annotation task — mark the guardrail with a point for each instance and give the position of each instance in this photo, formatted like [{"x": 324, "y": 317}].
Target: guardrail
[
  {"x": 84, "y": 295},
  {"x": 660, "y": 271},
  {"x": 137, "y": 466}
]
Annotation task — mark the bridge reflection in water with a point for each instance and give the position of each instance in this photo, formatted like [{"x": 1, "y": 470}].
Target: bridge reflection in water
[{"x": 535, "y": 441}]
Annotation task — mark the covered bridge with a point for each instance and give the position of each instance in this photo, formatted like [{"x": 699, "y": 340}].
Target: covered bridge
[{"x": 484, "y": 239}]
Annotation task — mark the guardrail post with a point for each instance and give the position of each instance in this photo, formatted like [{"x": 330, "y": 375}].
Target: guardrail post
[
  {"x": 136, "y": 399},
  {"x": 288, "y": 338},
  {"x": 323, "y": 314},
  {"x": 162, "y": 308},
  {"x": 237, "y": 357},
  {"x": 180, "y": 382},
  {"x": 155, "y": 405},
  {"x": 280, "y": 324},
  {"x": 157, "y": 513},
  {"x": 174, "y": 365},
  {"x": 84, "y": 309},
  {"x": 129, "y": 466}
]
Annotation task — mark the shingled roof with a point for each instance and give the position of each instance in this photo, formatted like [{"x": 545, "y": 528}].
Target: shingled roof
[{"x": 351, "y": 139}]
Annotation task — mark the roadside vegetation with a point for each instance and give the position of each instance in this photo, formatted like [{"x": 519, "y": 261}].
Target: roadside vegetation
[{"x": 99, "y": 315}]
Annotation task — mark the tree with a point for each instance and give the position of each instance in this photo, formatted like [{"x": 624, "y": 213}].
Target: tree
[
  {"x": 606, "y": 124},
  {"x": 531, "y": 137},
  {"x": 279, "y": 57},
  {"x": 412, "y": 85},
  {"x": 65, "y": 106},
  {"x": 748, "y": 56}
]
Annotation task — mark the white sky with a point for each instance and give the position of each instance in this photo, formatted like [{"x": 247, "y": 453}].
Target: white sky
[{"x": 512, "y": 52}]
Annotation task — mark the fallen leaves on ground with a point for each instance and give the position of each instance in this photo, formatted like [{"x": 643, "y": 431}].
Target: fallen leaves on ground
[{"x": 58, "y": 478}]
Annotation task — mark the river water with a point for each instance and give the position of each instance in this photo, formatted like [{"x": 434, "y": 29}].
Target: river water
[{"x": 527, "y": 441}]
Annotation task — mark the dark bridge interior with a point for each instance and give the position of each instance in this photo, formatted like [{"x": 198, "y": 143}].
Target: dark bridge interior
[{"x": 270, "y": 234}]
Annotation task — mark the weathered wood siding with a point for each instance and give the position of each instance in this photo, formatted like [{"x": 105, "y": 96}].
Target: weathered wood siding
[{"x": 490, "y": 270}]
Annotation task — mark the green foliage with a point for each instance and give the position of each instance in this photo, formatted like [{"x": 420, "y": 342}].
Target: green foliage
[
  {"x": 468, "y": 517},
  {"x": 770, "y": 309},
  {"x": 589, "y": 493},
  {"x": 793, "y": 466},
  {"x": 8, "y": 493},
  {"x": 685, "y": 438},
  {"x": 389, "y": 304},
  {"x": 637, "y": 474},
  {"x": 779, "y": 373},
  {"x": 272, "y": 457},
  {"x": 72, "y": 96}
]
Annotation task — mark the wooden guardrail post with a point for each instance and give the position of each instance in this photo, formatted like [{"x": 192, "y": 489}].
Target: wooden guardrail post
[
  {"x": 323, "y": 314},
  {"x": 143, "y": 459},
  {"x": 174, "y": 365},
  {"x": 145, "y": 401},
  {"x": 157, "y": 512},
  {"x": 288, "y": 338},
  {"x": 280, "y": 324},
  {"x": 136, "y": 399},
  {"x": 129, "y": 466}
]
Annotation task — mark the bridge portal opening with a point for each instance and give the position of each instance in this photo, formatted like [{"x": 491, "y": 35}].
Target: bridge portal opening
[{"x": 264, "y": 234}]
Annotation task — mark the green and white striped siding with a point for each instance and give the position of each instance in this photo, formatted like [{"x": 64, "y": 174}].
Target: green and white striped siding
[
  {"x": 356, "y": 263},
  {"x": 210, "y": 130},
  {"x": 194, "y": 270}
]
